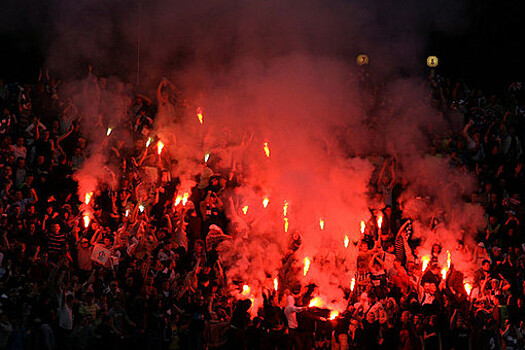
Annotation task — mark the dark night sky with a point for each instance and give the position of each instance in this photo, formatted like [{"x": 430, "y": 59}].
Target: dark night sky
[{"x": 484, "y": 52}]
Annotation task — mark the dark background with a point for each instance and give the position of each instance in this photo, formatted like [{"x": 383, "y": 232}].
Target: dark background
[{"x": 484, "y": 53}]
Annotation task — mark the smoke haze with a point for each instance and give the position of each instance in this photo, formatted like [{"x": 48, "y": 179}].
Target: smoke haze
[{"x": 281, "y": 72}]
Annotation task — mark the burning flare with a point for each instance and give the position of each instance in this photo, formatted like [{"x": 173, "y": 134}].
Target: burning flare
[
  {"x": 315, "y": 302},
  {"x": 185, "y": 198},
  {"x": 352, "y": 284},
  {"x": 265, "y": 202},
  {"x": 321, "y": 224},
  {"x": 333, "y": 314},
  {"x": 346, "y": 241},
  {"x": 468, "y": 288},
  {"x": 141, "y": 208},
  {"x": 245, "y": 289},
  {"x": 275, "y": 284},
  {"x": 182, "y": 199},
  {"x": 285, "y": 209},
  {"x": 363, "y": 226},
  {"x": 109, "y": 131},
  {"x": 87, "y": 197},
  {"x": 267, "y": 149},
  {"x": 444, "y": 271},
  {"x": 245, "y": 209},
  {"x": 160, "y": 146},
  {"x": 199, "y": 115},
  {"x": 150, "y": 140},
  {"x": 425, "y": 260},
  {"x": 448, "y": 260},
  {"x": 306, "y": 266},
  {"x": 286, "y": 224},
  {"x": 206, "y": 157},
  {"x": 379, "y": 221},
  {"x": 86, "y": 220}
]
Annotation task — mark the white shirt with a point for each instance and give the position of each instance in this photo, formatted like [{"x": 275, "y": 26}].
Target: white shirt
[{"x": 290, "y": 311}]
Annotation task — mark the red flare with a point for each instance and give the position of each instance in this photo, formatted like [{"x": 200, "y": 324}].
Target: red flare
[
  {"x": 306, "y": 266},
  {"x": 160, "y": 146},
  {"x": 267, "y": 149}
]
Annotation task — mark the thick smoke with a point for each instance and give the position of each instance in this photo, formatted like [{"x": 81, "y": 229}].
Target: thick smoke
[{"x": 281, "y": 73}]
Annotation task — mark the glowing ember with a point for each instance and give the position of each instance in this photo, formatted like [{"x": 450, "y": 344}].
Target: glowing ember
[
  {"x": 334, "y": 314},
  {"x": 352, "y": 284},
  {"x": 448, "y": 259},
  {"x": 150, "y": 140},
  {"x": 285, "y": 209},
  {"x": 206, "y": 157},
  {"x": 275, "y": 284},
  {"x": 245, "y": 289},
  {"x": 160, "y": 146},
  {"x": 444, "y": 271},
  {"x": 200, "y": 116},
  {"x": 321, "y": 224},
  {"x": 363, "y": 226},
  {"x": 265, "y": 202},
  {"x": 425, "y": 260},
  {"x": 109, "y": 131},
  {"x": 141, "y": 208},
  {"x": 87, "y": 197},
  {"x": 468, "y": 288},
  {"x": 178, "y": 200},
  {"x": 245, "y": 209},
  {"x": 185, "y": 198},
  {"x": 314, "y": 302},
  {"x": 86, "y": 221},
  {"x": 286, "y": 224},
  {"x": 346, "y": 241},
  {"x": 379, "y": 221},
  {"x": 306, "y": 266},
  {"x": 267, "y": 149}
]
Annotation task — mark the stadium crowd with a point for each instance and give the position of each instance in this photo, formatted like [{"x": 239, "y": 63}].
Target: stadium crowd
[{"x": 147, "y": 275}]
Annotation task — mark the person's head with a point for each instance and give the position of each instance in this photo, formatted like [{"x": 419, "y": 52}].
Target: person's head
[
  {"x": 496, "y": 251},
  {"x": 199, "y": 246},
  {"x": 20, "y": 141},
  {"x": 363, "y": 247},
  {"x": 29, "y": 179},
  {"x": 40, "y": 160},
  {"x": 485, "y": 265},
  {"x": 55, "y": 227},
  {"x": 406, "y": 316},
  {"x": 436, "y": 249},
  {"x": 494, "y": 283},
  {"x": 417, "y": 319},
  {"x": 435, "y": 269}
]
